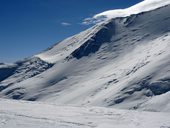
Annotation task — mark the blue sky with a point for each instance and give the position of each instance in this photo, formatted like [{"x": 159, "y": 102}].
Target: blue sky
[{"x": 29, "y": 26}]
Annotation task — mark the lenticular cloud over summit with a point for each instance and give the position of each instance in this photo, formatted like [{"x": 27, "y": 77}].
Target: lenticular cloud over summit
[{"x": 143, "y": 6}]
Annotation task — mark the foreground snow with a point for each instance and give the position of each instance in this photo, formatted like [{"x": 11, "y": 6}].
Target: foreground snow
[{"x": 21, "y": 114}]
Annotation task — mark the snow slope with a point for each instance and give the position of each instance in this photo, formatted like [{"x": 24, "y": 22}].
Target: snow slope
[
  {"x": 122, "y": 62},
  {"x": 64, "y": 48},
  {"x": 19, "y": 114}
]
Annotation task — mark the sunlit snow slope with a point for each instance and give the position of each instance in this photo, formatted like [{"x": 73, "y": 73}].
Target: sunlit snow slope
[{"x": 122, "y": 62}]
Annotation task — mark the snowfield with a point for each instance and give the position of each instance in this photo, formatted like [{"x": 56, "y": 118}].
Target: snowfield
[{"x": 22, "y": 114}]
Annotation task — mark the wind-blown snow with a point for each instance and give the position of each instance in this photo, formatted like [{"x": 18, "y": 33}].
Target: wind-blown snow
[{"x": 143, "y": 6}]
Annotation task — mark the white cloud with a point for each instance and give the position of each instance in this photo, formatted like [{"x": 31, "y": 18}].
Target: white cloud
[
  {"x": 65, "y": 24},
  {"x": 143, "y": 6}
]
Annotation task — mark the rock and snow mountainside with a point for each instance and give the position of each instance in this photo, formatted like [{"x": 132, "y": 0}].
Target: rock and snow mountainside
[
  {"x": 122, "y": 62},
  {"x": 11, "y": 74}
]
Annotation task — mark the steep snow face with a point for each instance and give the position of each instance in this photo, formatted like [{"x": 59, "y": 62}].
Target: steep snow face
[
  {"x": 19, "y": 114},
  {"x": 64, "y": 48},
  {"x": 122, "y": 62},
  {"x": 146, "y": 5}
]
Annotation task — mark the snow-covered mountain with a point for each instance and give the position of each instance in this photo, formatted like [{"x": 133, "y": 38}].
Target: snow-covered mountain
[{"x": 122, "y": 62}]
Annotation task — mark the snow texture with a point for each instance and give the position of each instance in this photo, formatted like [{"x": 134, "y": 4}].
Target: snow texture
[{"x": 19, "y": 114}]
